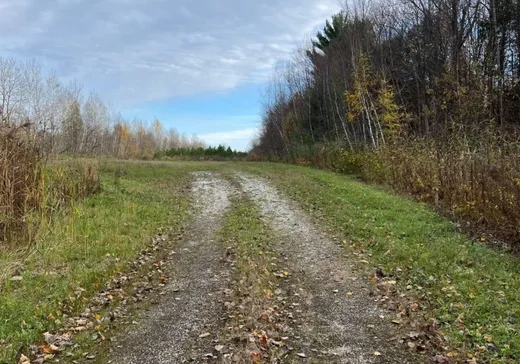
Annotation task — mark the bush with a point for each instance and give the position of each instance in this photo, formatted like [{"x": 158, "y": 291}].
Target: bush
[
  {"x": 477, "y": 182},
  {"x": 30, "y": 192},
  {"x": 20, "y": 182},
  {"x": 68, "y": 182}
]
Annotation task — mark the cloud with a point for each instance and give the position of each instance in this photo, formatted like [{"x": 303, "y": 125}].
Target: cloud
[
  {"x": 135, "y": 51},
  {"x": 238, "y": 139}
]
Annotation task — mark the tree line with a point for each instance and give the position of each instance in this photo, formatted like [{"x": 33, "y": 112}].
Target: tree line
[
  {"x": 414, "y": 67},
  {"x": 63, "y": 118},
  {"x": 423, "y": 95},
  {"x": 219, "y": 152}
]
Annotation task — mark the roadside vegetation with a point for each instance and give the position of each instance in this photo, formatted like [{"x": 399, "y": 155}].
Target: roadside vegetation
[
  {"x": 210, "y": 153},
  {"x": 78, "y": 248},
  {"x": 422, "y": 97},
  {"x": 419, "y": 95},
  {"x": 459, "y": 296},
  {"x": 254, "y": 320},
  {"x": 31, "y": 191}
]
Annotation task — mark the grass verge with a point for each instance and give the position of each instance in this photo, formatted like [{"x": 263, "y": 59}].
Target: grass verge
[
  {"x": 469, "y": 292},
  {"x": 256, "y": 320},
  {"x": 80, "y": 250}
]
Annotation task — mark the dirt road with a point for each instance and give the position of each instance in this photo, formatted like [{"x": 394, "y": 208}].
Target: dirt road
[
  {"x": 167, "y": 333},
  {"x": 334, "y": 317}
]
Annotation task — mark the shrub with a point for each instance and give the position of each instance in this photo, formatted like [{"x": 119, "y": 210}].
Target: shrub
[
  {"x": 20, "y": 181},
  {"x": 477, "y": 182},
  {"x": 29, "y": 191},
  {"x": 67, "y": 182}
]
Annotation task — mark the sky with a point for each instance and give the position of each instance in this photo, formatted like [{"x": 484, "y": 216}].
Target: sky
[{"x": 200, "y": 66}]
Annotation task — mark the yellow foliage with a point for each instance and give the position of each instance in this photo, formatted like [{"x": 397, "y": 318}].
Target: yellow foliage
[
  {"x": 289, "y": 126},
  {"x": 389, "y": 112},
  {"x": 354, "y": 105}
]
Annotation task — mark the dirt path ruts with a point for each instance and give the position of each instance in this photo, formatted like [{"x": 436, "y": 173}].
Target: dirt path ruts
[
  {"x": 338, "y": 320},
  {"x": 169, "y": 331}
]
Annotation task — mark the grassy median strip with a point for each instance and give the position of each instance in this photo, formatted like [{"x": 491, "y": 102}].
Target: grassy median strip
[
  {"x": 257, "y": 319},
  {"x": 469, "y": 291},
  {"x": 82, "y": 248}
]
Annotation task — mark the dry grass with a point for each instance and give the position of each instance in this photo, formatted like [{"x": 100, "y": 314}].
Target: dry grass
[
  {"x": 30, "y": 192},
  {"x": 477, "y": 181},
  {"x": 480, "y": 185},
  {"x": 20, "y": 184}
]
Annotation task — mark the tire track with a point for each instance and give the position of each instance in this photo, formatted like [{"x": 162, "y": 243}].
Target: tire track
[
  {"x": 337, "y": 320},
  {"x": 169, "y": 332}
]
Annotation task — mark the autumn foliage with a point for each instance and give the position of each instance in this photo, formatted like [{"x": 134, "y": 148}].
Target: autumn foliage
[{"x": 420, "y": 97}]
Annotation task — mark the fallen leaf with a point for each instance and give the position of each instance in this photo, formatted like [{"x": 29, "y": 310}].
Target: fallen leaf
[
  {"x": 302, "y": 355},
  {"x": 488, "y": 338},
  {"x": 219, "y": 348},
  {"x": 440, "y": 359},
  {"x": 49, "y": 349},
  {"x": 387, "y": 283},
  {"x": 413, "y": 335},
  {"x": 256, "y": 356},
  {"x": 81, "y": 322},
  {"x": 459, "y": 322},
  {"x": 206, "y": 334},
  {"x": 24, "y": 360},
  {"x": 263, "y": 340}
]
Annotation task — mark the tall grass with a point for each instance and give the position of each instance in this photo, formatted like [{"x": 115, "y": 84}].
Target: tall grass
[
  {"x": 30, "y": 191},
  {"x": 20, "y": 185},
  {"x": 479, "y": 184},
  {"x": 474, "y": 180}
]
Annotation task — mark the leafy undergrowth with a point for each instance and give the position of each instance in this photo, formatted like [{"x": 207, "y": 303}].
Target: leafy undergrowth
[
  {"x": 257, "y": 329},
  {"x": 79, "y": 251},
  {"x": 468, "y": 292}
]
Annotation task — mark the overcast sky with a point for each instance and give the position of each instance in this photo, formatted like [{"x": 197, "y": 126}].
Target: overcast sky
[{"x": 198, "y": 65}]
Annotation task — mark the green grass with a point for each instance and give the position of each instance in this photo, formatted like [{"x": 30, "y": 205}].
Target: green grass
[
  {"x": 251, "y": 241},
  {"x": 472, "y": 291},
  {"x": 452, "y": 275},
  {"x": 82, "y": 247}
]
